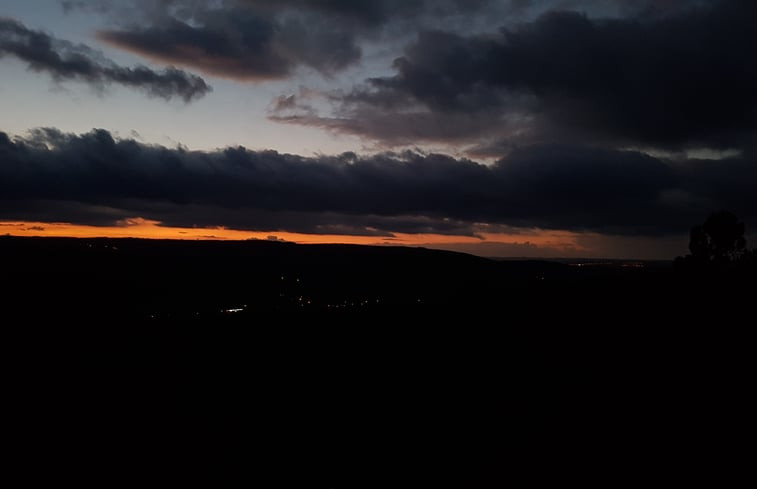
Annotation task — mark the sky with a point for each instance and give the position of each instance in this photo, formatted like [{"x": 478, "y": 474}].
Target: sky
[{"x": 523, "y": 128}]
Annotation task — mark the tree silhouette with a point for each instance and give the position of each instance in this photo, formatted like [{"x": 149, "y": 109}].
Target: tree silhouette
[{"x": 719, "y": 240}]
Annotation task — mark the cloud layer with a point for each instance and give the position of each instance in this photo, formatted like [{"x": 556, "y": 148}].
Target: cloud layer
[
  {"x": 485, "y": 75},
  {"x": 253, "y": 40},
  {"x": 680, "y": 77},
  {"x": 96, "y": 179},
  {"x": 594, "y": 116},
  {"x": 66, "y": 61}
]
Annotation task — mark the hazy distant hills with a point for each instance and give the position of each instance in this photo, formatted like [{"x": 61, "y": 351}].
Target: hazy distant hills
[
  {"x": 141, "y": 278},
  {"x": 151, "y": 275}
]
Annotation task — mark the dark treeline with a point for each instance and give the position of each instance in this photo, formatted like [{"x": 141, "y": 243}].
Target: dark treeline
[
  {"x": 719, "y": 246},
  {"x": 239, "y": 363}
]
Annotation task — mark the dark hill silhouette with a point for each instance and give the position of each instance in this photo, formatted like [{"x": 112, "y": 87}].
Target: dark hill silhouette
[
  {"x": 229, "y": 363},
  {"x": 141, "y": 277}
]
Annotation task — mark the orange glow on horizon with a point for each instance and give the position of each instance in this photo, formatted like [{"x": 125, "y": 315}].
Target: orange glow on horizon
[{"x": 147, "y": 229}]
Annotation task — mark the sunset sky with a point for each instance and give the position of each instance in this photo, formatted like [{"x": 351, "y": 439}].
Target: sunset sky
[{"x": 538, "y": 128}]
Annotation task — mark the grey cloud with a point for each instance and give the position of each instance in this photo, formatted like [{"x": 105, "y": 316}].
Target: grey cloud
[
  {"x": 66, "y": 61},
  {"x": 255, "y": 40},
  {"x": 671, "y": 78},
  {"x": 242, "y": 51},
  {"x": 94, "y": 178},
  {"x": 241, "y": 44},
  {"x": 367, "y": 13}
]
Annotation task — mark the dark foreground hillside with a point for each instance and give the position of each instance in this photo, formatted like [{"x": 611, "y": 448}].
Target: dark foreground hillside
[{"x": 245, "y": 364}]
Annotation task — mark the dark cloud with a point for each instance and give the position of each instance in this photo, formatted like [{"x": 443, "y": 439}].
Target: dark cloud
[
  {"x": 391, "y": 125},
  {"x": 368, "y": 13},
  {"x": 675, "y": 77},
  {"x": 100, "y": 6},
  {"x": 243, "y": 51},
  {"x": 66, "y": 61},
  {"x": 241, "y": 44},
  {"x": 265, "y": 39},
  {"x": 96, "y": 179}
]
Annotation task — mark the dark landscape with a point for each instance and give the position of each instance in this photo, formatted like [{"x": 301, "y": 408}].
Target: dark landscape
[
  {"x": 349, "y": 366},
  {"x": 349, "y": 244}
]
